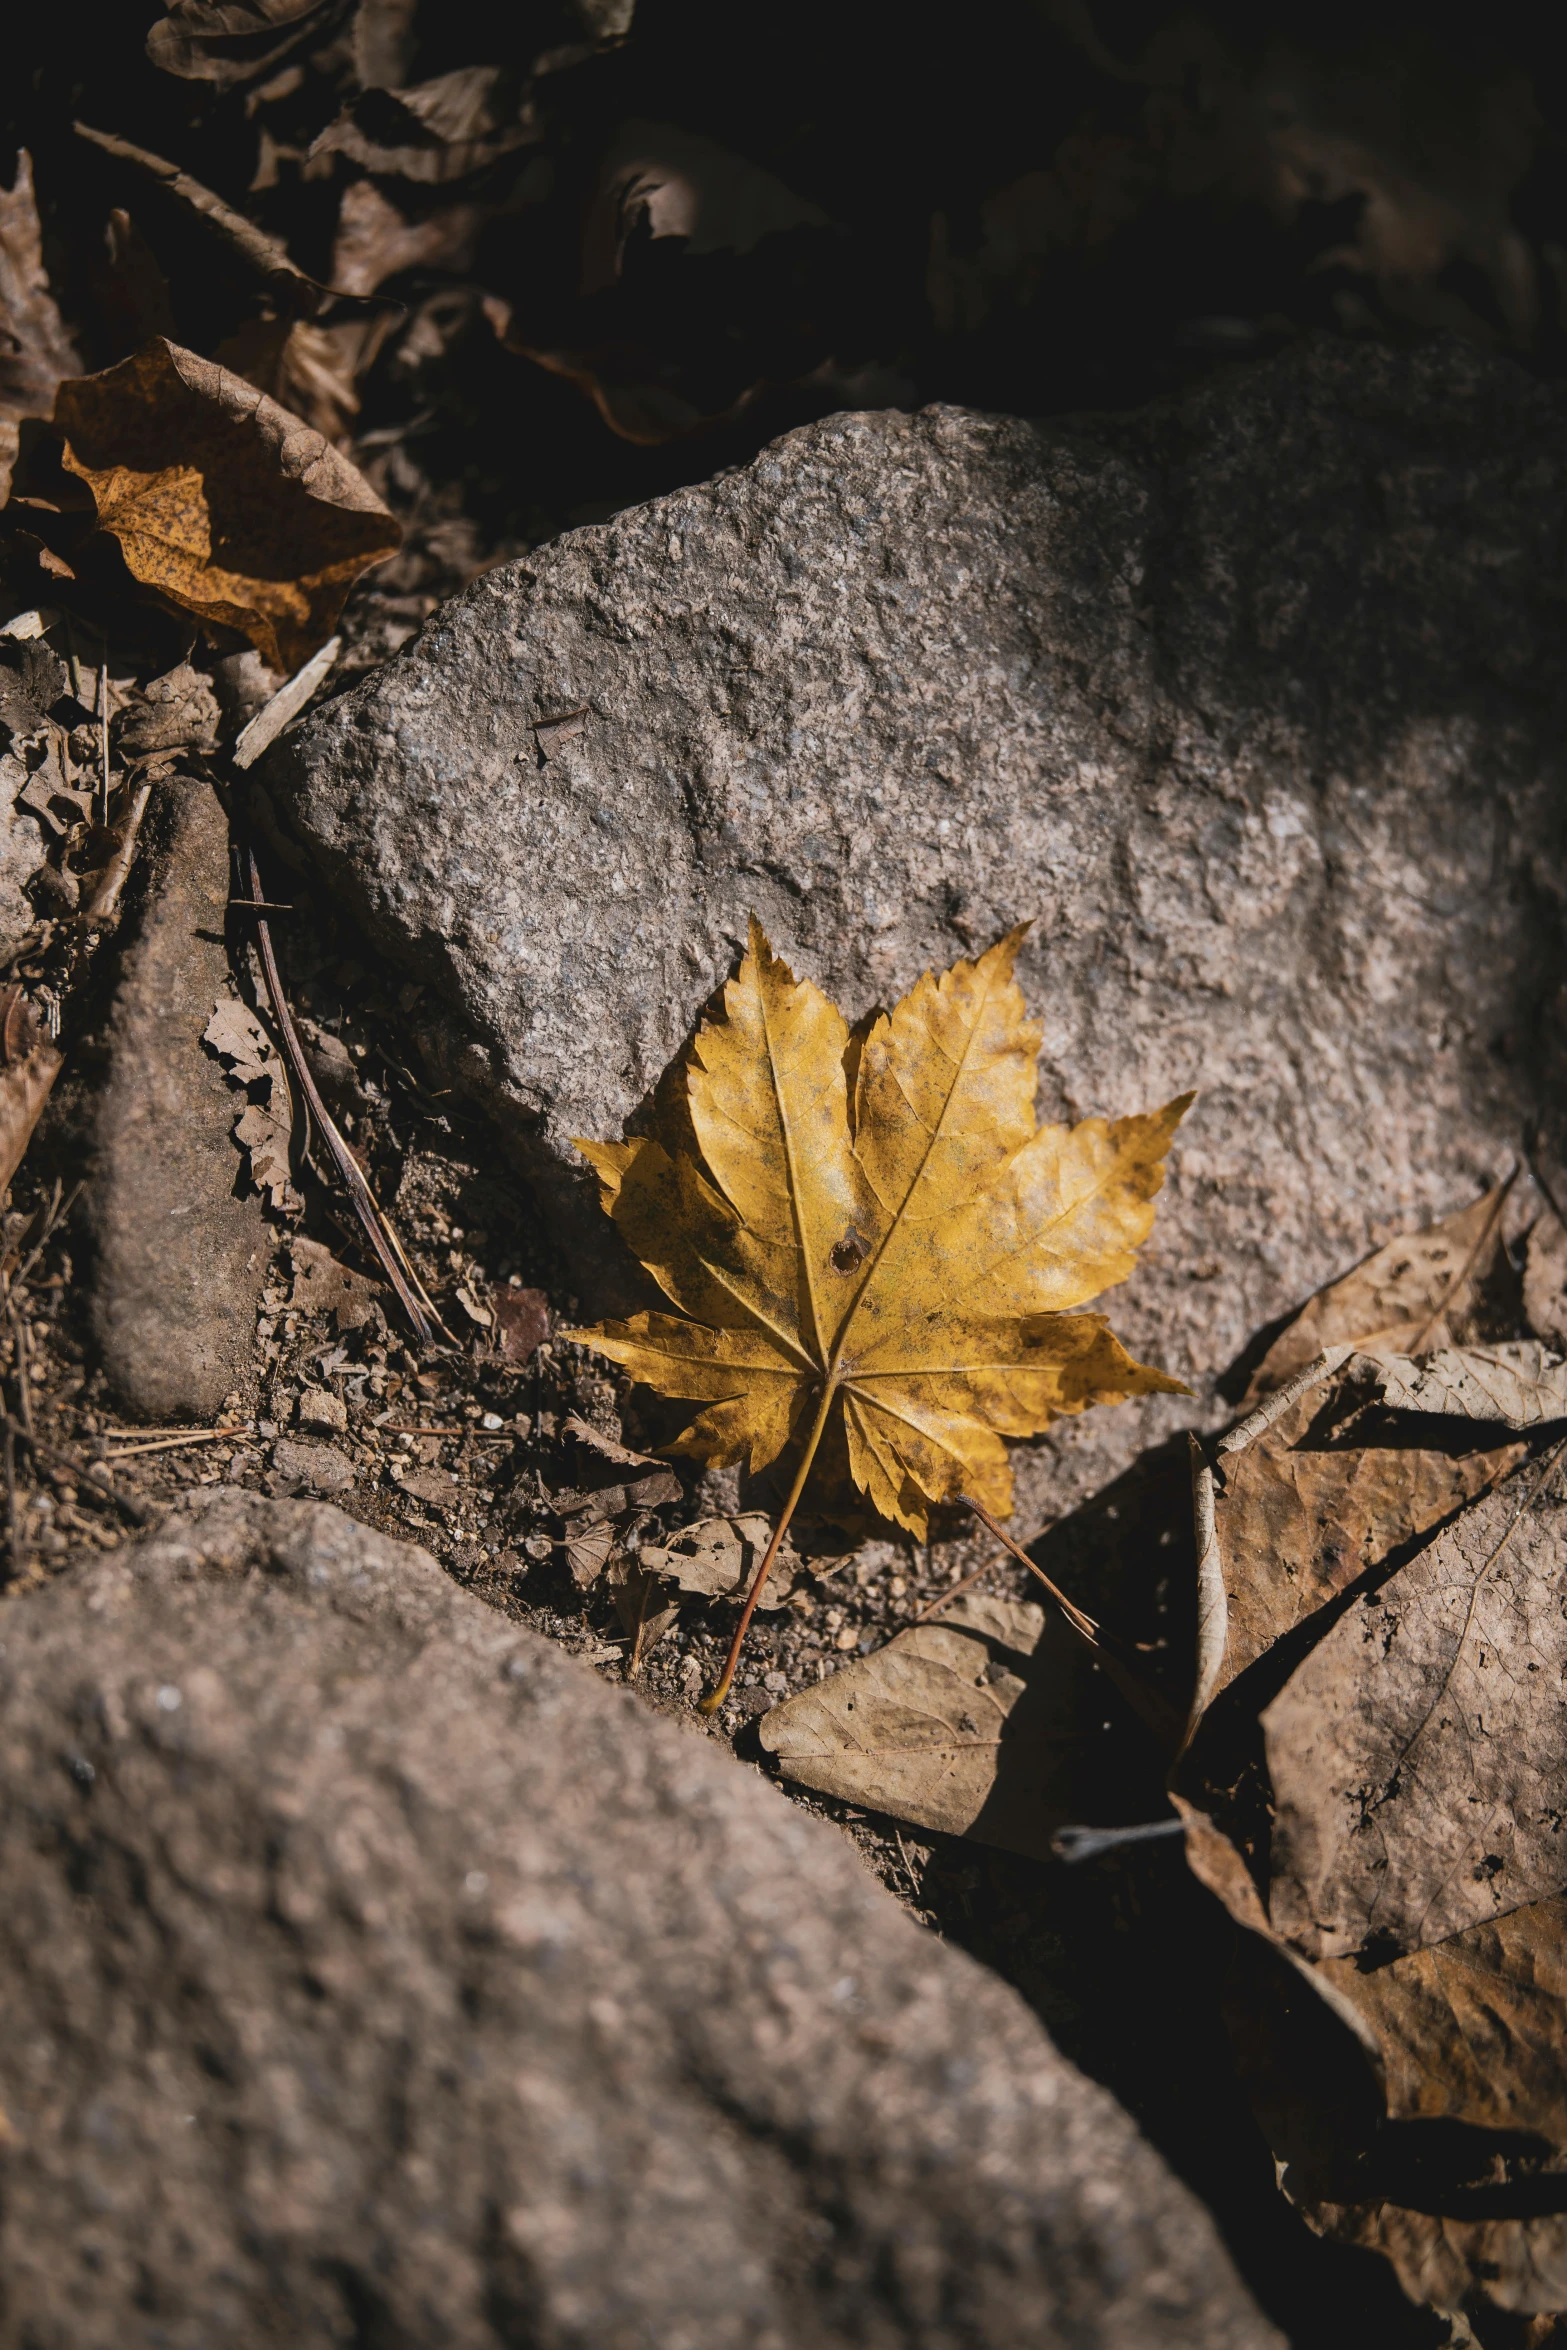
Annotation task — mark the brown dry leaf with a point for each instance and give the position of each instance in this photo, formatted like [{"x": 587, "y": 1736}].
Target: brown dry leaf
[
  {"x": 1402, "y": 1299},
  {"x": 35, "y": 350},
  {"x": 222, "y": 503},
  {"x": 177, "y": 711},
  {"x": 233, "y": 41},
  {"x": 607, "y": 1448},
  {"x": 437, "y": 1488},
  {"x": 242, "y": 243},
  {"x": 1418, "y": 1756},
  {"x": 587, "y": 1548},
  {"x": 716, "y": 1557},
  {"x": 1382, "y": 1797},
  {"x": 902, "y": 1257},
  {"x": 437, "y": 131},
  {"x": 1303, "y": 1511},
  {"x": 971, "y": 1724}
]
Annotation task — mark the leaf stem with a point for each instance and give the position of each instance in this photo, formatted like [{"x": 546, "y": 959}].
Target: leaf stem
[{"x": 715, "y": 1698}]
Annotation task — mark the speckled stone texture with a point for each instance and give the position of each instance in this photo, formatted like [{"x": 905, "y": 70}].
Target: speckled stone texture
[
  {"x": 371, "y": 1973},
  {"x": 1251, "y": 703}
]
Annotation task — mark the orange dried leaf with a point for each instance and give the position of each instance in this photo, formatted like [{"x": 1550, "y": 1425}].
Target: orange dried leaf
[{"x": 222, "y": 503}]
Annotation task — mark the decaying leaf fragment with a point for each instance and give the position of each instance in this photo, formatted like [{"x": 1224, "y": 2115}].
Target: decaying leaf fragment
[
  {"x": 221, "y": 502},
  {"x": 1519, "y": 1384},
  {"x": 264, "y": 1126},
  {"x": 716, "y": 1557}
]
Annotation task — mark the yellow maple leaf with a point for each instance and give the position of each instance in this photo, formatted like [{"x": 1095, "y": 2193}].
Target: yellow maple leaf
[{"x": 870, "y": 1225}]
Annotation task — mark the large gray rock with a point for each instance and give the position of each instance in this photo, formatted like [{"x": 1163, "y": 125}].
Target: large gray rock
[
  {"x": 374, "y": 1974},
  {"x": 1252, "y": 703},
  {"x": 182, "y": 1244}
]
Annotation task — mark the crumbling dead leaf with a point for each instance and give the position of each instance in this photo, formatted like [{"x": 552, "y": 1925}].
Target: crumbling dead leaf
[
  {"x": 522, "y": 1322},
  {"x": 177, "y": 711},
  {"x": 1378, "y": 1791},
  {"x": 1305, "y": 1511},
  {"x": 1402, "y": 1299},
  {"x": 221, "y": 502},
  {"x": 716, "y": 1557},
  {"x": 264, "y": 1128},
  {"x": 908, "y": 1260},
  {"x": 587, "y": 1546},
  {"x": 1518, "y": 1384},
  {"x": 30, "y": 1061}
]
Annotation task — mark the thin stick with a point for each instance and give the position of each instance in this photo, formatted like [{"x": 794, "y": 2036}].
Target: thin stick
[
  {"x": 170, "y": 1443},
  {"x": 103, "y": 729},
  {"x": 1074, "y": 1615},
  {"x": 408, "y": 1288},
  {"x": 942, "y": 1598},
  {"x": 715, "y": 1698},
  {"x": 1152, "y": 1708}
]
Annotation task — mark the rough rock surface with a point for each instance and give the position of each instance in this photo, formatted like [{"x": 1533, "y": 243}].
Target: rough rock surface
[
  {"x": 374, "y": 1974},
  {"x": 180, "y": 1259},
  {"x": 1251, "y": 702}
]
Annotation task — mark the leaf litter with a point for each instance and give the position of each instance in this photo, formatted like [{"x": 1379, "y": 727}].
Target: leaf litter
[
  {"x": 1376, "y": 1785},
  {"x": 1338, "y": 1504}
]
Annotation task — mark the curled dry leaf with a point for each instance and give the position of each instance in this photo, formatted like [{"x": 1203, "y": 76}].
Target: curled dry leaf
[
  {"x": 264, "y": 1127},
  {"x": 222, "y": 503},
  {"x": 1403, "y": 1299},
  {"x": 230, "y": 42},
  {"x": 974, "y": 1724},
  {"x": 1519, "y": 1384},
  {"x": 902, "y": 1257},
  {"x": 35, "y": 350}
]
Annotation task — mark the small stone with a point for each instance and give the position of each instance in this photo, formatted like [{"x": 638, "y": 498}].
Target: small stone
[
  {"x": 319, "y": 1466},
  {"x": 320, "y": 1409}
]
